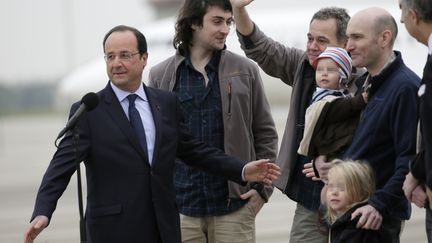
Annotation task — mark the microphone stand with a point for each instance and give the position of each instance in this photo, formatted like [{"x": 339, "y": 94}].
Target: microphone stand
[
  {"x": 82, "y": 223},
  {"x": 75, "y": 138}
]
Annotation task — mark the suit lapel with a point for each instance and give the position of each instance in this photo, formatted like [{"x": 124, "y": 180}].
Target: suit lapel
[
  {"x": 427, "y": 70},
  {"x": 116, "y": 112},
  {"x": 157, "y": 117}
]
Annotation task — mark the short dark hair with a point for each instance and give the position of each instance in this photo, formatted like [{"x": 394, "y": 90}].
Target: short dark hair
[
  {"x": 340, "y": 15},
  {"x": 192, "y": 13},
  {"x": 141, "y": 40},
  {"x": 423, "y": 8}
]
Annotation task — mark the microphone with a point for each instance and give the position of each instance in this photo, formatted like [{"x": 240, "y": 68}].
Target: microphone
[{"x": 88, "y": 103}]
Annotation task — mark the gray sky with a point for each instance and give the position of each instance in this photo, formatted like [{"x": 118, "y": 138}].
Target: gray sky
[{"x": 44, "y": 40}]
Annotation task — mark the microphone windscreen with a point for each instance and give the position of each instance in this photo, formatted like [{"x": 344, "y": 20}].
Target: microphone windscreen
[{"x": 90, "y": 100}]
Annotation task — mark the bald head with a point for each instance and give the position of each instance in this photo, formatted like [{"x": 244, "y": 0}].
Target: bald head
[
  {"x": 379, "y": 20},
  {"x": 371, "y": 34}
]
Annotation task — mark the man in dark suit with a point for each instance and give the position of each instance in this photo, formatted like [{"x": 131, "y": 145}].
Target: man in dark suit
[
  {"x": 417, "y": 17},
  {"x": 130, "y": 172}
]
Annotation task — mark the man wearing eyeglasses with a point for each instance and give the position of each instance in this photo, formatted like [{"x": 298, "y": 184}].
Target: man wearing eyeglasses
[
  {"x": 225, "y": 106},
  {"x": 129, "y": 143}
]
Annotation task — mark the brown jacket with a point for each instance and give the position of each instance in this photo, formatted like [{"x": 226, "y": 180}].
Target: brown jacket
[
  {"x": 249, "y": 130},
  {"x": 335, "y": 122}
]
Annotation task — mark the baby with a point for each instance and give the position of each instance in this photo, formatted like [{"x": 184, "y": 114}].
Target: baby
[{"x": 332, "y": 117}]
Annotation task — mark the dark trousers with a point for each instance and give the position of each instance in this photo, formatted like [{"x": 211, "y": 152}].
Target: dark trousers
[{"x": 429, "y": 224}]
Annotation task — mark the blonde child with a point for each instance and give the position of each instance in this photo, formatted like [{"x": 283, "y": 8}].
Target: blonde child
[{"x": 350, "y": 184}]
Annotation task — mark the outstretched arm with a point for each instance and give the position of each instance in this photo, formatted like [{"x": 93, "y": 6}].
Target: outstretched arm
[
  {"x": 261, "y": 170},
  {"x": 243, "y": 22}
]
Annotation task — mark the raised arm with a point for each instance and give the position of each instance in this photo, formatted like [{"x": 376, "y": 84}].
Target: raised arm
[{"x": 243, "y": 22}]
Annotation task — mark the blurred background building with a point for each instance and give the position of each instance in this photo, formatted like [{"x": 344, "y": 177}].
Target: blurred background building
[
  {"x": 44, "y": 41},
  {"x": 165, "y": 8}
]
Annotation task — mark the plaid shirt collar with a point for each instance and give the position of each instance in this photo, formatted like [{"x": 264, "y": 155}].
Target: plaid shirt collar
[{"x": 213, "y": 63}]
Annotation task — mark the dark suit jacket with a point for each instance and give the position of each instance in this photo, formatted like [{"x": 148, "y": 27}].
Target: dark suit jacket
[
  {"x": 421, "y": 166},
  {"x": 127, "y": 199}
]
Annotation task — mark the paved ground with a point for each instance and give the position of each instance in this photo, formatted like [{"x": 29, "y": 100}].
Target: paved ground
[{"x": 26, "y": 146}]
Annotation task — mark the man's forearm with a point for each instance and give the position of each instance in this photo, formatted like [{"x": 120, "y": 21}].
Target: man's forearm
[{"x": 244, "y": 24}]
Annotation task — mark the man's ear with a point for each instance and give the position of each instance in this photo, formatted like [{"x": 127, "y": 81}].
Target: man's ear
[
  {"x": 414, "y": 16},
  {"x": 385, "y": 37},
  {"x": 144, "y": 58}
]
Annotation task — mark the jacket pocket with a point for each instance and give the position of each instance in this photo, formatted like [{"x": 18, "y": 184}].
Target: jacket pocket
[{"x": 104, "y": 211}]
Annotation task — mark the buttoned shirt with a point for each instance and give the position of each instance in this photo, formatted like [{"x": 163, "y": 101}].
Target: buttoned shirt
[
  {"x": 199, "y": 193},
  {"x": 143, "y": 106}
]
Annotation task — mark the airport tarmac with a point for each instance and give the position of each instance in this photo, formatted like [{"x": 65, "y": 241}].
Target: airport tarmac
[{"x": 26, "y": 147}]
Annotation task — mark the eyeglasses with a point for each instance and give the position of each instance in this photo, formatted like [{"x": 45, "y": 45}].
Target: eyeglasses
[{"x": 123, "y": 56}]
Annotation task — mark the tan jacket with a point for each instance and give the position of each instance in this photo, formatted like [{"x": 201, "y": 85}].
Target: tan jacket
[
  {"x": 330, "y": 125},
  {"x": 313, "y": 112},
  {"x": 249, "y": 130}
]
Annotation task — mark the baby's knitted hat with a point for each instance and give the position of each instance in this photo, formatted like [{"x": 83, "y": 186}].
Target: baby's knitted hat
[{"x": 342, "y": 59}]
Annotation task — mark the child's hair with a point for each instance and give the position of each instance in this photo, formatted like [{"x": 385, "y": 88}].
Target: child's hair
[{"x": 359, "y": 180}]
